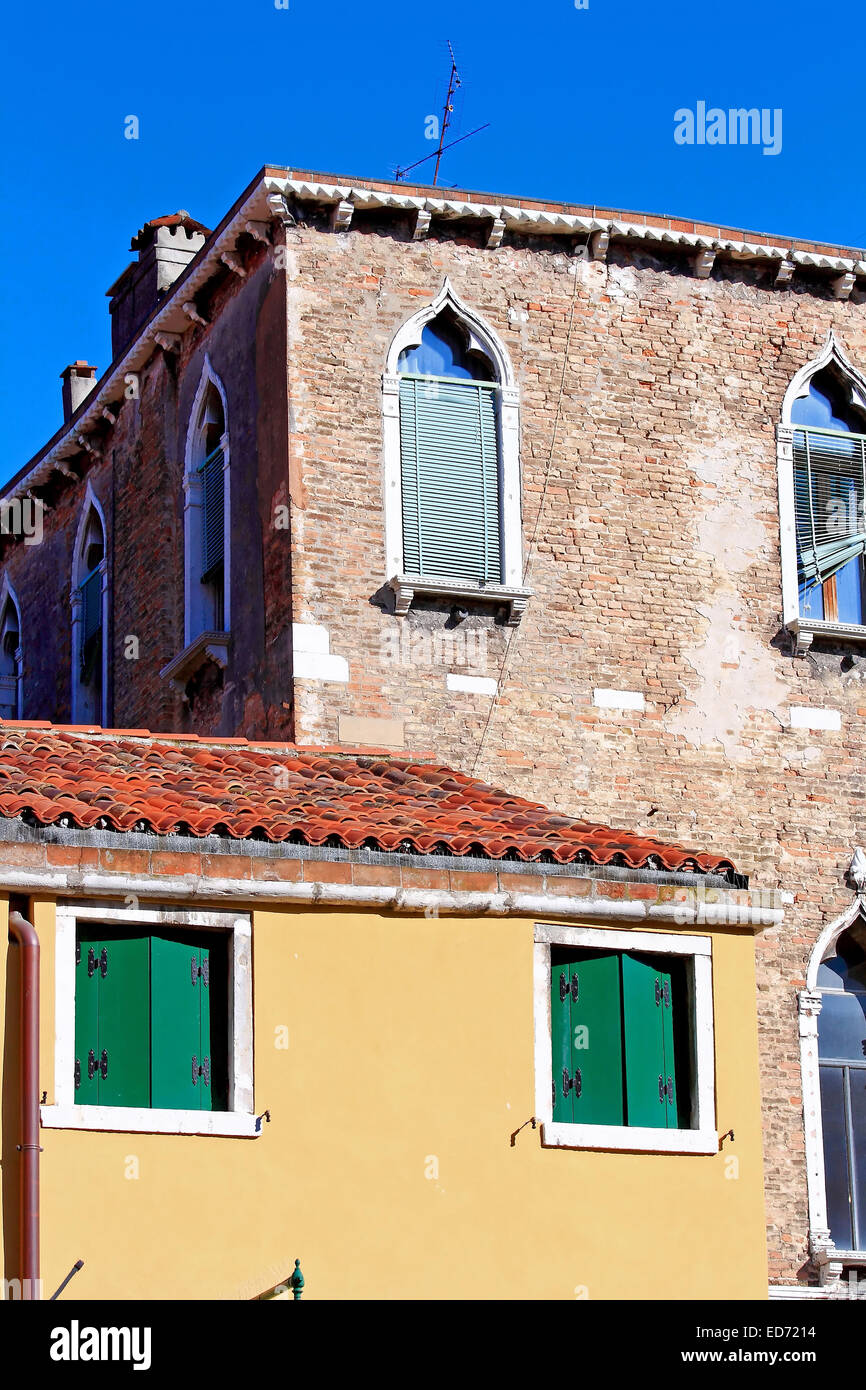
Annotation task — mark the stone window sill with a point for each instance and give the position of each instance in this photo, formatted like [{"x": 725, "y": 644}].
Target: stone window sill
[
  {"x": 632, "y": 1139},
  {"x": 406, "y": 586},
  {"x": 804, "y": 630},
  {"x": 130, "y": 1119},
  {"x": 208, "y": 646}
]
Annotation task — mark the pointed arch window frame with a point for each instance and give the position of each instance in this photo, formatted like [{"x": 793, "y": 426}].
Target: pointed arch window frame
[
  {"x": 7, "y": 596},
  {"x": 90, "y": 504},
  {"x": 510, "y": 591},
  {"x": 804, "y": 629},
  {"x": 202, "y": 643},
  {"x": 827, "y": 1258}
]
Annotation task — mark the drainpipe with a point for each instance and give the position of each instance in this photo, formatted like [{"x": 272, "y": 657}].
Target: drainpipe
[{"x": 25, "y": 937}]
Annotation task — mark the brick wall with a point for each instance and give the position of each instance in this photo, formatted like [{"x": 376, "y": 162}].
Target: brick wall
[
  {"x": 656, "y": 570},
  {"x": 655, "y": 567}
]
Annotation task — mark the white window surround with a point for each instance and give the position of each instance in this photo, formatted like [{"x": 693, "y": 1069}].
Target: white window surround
[
  {"x": 11, "y": 686},
  {"x": 80, "y": 712},
  {"x": 482, "y": 337},
  {"x": 201, "y": 641},
  {"x": 239, "y": 1120},
  {"x": 804, "y": 629},
  {"x": 828, "y": 1259},
  {"x": 698, "y": 949}
]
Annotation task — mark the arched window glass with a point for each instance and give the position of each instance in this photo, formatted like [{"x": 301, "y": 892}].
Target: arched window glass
[
  {"x": 842, "y": 1067},
  {"x": 830, "y": 496},
  {"x": 443, "y": 351},
  {"x": 450, "y": 457}
]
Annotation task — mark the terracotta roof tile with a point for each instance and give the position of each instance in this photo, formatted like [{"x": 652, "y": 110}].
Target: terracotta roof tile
[{"x": 341, "y": 797}]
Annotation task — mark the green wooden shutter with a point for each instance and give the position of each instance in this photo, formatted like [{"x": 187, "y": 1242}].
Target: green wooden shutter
[
  {"x": 450, "y": 478},
  {"x": 86, "y": 1017},
  {"x": 560, "y": 1021},
  {"x": 213, "y": 512},
  {"x": 649, "y": 1043},
  {"x": 112, "y": 1020},
  {"x": 124, "y": 1022},
  {"x": 180, "y": 1022},
  {"x": 586, "y": 1031},
  {"x": 596, "y": 1019}
]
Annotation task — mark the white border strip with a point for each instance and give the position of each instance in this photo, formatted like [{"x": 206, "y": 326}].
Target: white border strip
[
  {"x": 65, "y": 1114},
  {"x": 703, "y": 1139}
]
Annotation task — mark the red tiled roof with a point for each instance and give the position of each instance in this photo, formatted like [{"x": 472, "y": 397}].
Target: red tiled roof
[{"x": 133, "y": 780}]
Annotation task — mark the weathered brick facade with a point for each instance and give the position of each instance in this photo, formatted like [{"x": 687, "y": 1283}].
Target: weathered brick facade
[{"x": 649, "y": 400}]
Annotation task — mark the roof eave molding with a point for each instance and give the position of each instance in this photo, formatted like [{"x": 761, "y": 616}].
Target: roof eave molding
[{"x": 254, "y": 207}]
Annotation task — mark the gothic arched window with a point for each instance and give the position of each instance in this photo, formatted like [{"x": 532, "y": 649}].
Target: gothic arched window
[
  {"x": 829, "y": 490},
  {"x": 452, "y": 485},
  {"x": 89, "y": 617},
  {"x": 822, "y": 498},
  {"x": 206, "y": 512},
  {"x": 841, "y": 983},
  {"x": 11, "y": 702}
]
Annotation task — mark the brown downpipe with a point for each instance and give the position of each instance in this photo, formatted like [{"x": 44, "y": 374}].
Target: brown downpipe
[{"x": 25, "y": 937}]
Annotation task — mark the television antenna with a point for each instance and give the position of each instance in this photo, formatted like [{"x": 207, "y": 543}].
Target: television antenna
[{"x": 448, "y": 110}]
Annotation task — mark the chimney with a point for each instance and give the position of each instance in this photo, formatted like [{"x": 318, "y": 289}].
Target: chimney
[
  {"x": 165, "y": 247},
  {"x": 78, "y": 379}
]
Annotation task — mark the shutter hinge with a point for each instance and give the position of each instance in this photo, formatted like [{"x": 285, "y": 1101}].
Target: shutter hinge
[
  {"x": 196, "y": 970},
  {"x": 200, "y": 1071},
  {"x": 571, "y": 1082},
  {"x": 666, "y": 992},
  {"x": 666, "y": 1092},
  {"x": 101, "y": 962},
  {"x": 77, "y": 1073},
  {"x": 78, "y": 953},
  {"x": 566, "y": 987}
]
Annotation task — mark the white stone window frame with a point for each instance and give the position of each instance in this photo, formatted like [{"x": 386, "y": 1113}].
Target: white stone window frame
[
  {"x": 804, "y": 629},
  {"x": 482, "y": 338},
  {"x": 239, "y": 1121},
  {"x": 91, "y": 504},
  {"x": 697, "y": 951},
  {"x": 828, "y": 1259},
  {"x": 8, "y": 595},
  {"x": 202, "y": 643}
]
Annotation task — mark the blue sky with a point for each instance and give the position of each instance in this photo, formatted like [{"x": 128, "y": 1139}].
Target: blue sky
[{"x": 580, "y": 103}]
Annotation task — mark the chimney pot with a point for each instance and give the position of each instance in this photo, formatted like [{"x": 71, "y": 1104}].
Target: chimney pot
[
  {"x": 165, "y": 247},
  {"x": 78, "y": 379}
]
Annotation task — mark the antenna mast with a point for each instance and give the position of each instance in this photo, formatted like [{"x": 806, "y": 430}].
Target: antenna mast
[{"x": 453, "y": 84}]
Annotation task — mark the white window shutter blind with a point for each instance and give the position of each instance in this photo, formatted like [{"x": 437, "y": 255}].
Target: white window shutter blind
[
  {"x": 829, "y": 496},
  {"x": 450, "y": 478}
]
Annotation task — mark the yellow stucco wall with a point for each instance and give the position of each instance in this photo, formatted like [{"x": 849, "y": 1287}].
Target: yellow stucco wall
[{"x": 410, "y": 1040}]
